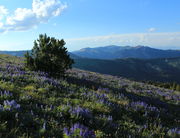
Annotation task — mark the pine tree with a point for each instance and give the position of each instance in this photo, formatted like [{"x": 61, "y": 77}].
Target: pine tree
[{"x": 49, "y": 55}]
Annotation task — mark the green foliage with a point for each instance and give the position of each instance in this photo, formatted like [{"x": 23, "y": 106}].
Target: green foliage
[
  {"x": 49, "y": 55},
  {"x": 103, "y": 106},
  {"x": 172, "y": 86},
  {"x": 178, "y": 87},
  {"x": 162, "y": 70}
]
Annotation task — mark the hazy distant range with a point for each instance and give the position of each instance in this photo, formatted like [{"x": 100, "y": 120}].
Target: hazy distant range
[
  {"x": 114, "y": 52},
  {"x": 138, "y": 63}
]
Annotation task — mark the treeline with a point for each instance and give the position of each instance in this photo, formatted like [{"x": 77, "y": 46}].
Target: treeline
[{"x": 172, "y": 86}]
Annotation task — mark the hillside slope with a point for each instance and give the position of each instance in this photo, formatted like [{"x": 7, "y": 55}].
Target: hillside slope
[
  {"x": 163, "y": 70},
  {"x": 114, "y": 52},
  {"x": 85, "y": 104}
]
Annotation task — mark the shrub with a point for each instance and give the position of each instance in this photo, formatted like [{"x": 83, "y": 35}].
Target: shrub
[{"x": 49, "y": 55}]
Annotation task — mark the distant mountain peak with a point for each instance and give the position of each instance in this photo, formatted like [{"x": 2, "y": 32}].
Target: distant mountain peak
[
  {"x": 111, "y": 46},
  {"x": 114, "y": 52},
  {"x": 83, "y": 49},
  {"x": 141, "y": 46}
]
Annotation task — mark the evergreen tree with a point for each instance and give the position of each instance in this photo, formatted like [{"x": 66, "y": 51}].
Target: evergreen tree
[{"x": 49, "y": 55}]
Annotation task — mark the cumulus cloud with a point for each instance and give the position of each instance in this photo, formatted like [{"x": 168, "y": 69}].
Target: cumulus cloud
[
  {"x": 24, "y": 19},
  {"x": 3, "y": 12},
  {"x": 157, "y": 40}
]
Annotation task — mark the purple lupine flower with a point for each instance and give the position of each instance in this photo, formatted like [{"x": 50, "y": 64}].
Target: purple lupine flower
[
  {"x": 66, "y": 131},
  {"x": 174, "y": 131},
  {"x": 5, "y": 93},
  {"x": 11, "y": 105},
  {"x": 104, "y": 89},
  {"x": 110, "y": 118},
  {"x": 84, "y": 131},
  {"x": 145, "y": 126},
  {"x": 81, "y": 112}
]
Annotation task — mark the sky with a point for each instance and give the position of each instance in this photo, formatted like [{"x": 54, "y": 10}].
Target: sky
[{"x": 90, "y": 23}]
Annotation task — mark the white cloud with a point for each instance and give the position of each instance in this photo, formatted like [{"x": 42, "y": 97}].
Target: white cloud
[
  {"x": 1, "y": 24},
  {"x": 3, "y": 12},
  {"x": 157, "y": 40},
  {"x": 24, "y": 19},
  {"x": 152, "y": 29},
  {"x": 47, "y": 8}
]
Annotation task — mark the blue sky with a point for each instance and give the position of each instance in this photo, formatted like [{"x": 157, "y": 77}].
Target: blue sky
[{"x": 90, "y": 23}]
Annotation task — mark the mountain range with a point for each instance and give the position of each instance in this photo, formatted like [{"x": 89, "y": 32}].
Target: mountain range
[
  {"x": 14, "y": 53},
  {"x": 116, "y": 52},
  {"x": 138, "y": 63}
]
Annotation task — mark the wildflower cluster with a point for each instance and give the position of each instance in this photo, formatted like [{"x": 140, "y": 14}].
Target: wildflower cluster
[{"x": 85, "y": 104}]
